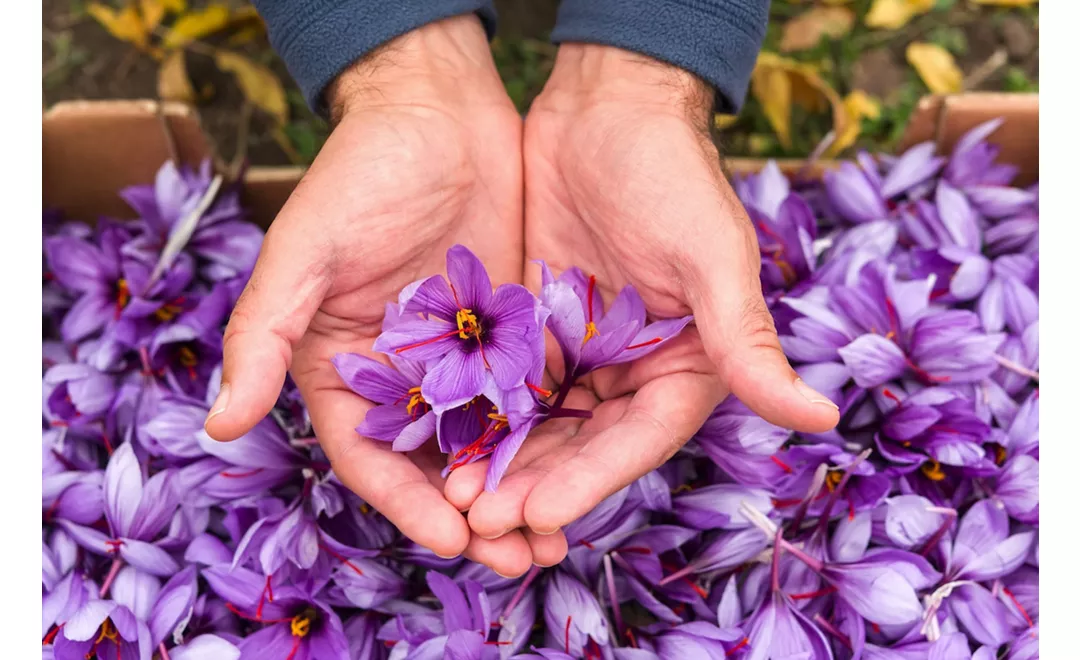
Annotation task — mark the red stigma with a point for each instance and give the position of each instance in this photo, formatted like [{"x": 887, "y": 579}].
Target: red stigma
[
  {"x": 813, "y": 594},
  {"x": 887, "y": 393},
  {"x": 1020, "y": 607},
  {"x": 745, "y": 642},
  {"x": 589, "y": 296},
  {"x": 539, "y": 390},
  {"x": 588, "y": 545},
  {"x": 342, "y": 559},
  {"x": 294, "y": 649},
  {"x": 445, "y": 335},
  {"x": 637, "y": 550},
  {"x": 654, "y": 340},
  {"x": 239, "y": 475},
  {"x": 784, "y": 466},
  {"x": 567, "y": 635},
  {"x": 51, "y": 635},
  {"x": 266, "y": 595}
]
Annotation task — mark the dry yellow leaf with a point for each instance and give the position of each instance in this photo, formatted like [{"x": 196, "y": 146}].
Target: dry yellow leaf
[
  {"x": 258, "y": 84},
  {"x": 936, "y": 67},
  {"x": 724, "y": 121},
  {"x": 196, "y": 25},
  {"x": 173, "y": 81},
  {"x": 894, "y": 14},
  {"x": 806, "y": 30},
  {"x": 858, "y": 105},
  {"x": 1006, "y": 3},
  {"x": 779, "y": 82},
  {"x": 175, "y": 6},
  {"x": 126, "y": 25},
  {"x": 153, "y": 11}
]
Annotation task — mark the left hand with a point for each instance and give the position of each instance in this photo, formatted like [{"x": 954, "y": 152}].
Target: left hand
[{"x": 623, "y": 180}]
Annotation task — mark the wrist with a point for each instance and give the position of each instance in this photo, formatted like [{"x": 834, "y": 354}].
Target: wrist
[
  {"x": 447, "y": 63},
  {"x": 592, "y": 74}
]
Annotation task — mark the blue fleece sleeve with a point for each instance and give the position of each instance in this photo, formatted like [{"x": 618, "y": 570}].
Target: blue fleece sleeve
[
  {"x": 318, "y": 39},
  {"x": 718, "y": 40}
]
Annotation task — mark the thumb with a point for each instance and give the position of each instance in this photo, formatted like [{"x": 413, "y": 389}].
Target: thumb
[
  {"x": 286, "y": 288},
  {"x": 739, "y": 335}
]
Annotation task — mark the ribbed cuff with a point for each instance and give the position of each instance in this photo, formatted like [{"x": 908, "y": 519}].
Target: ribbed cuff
[
  {"x": 718, "y": 40},
  {"x": 318, "y": 39}
]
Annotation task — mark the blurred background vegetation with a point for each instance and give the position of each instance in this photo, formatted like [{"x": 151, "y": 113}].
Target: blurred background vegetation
[{"x": 834, "y": 75}]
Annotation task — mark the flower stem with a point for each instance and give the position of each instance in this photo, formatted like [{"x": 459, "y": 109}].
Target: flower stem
[
  {"x": 1018, "y": 368},
  {"x": 163, "y": 651},
  {"x": 827, "y": 511},
  {"x": 113, "y": 570},
  {"x": 556, "y": 413},
  {"x": 833, "y": 630},
  {"x": 520, "y": 593},
  {"x": 620, "y": 627},
  {"x": 815, "y": 564},
  {"x": 566, "y": 386},
  {"x": 776, "y": 552}
]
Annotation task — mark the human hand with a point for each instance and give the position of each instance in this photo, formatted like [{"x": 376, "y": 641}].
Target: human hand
[
  {"x": 425, "y": 154},
  {"x": 623, "y": 180}
]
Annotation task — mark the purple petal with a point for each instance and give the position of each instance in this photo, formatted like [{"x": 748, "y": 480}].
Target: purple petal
[
  {"x": 717, "y": 506},
  {"x": 1018, "y": 489},
  {"x": 909, "y": 421},
  {"x": 433, "y": 296},
  {"x": 851, "y": 537},
  {"x": 873, "y": 360},
  {"x": 174, "y": 605},
  {"x": 468, "y": 277},
  {"x": 983, "y": 617},
  {"x": 567, "y": 320},
  {"x": 384, "y": 423},
  {"x": 123, "y": 489},
  {"x": 88, "y": 315},
  {"x": 853, "y": 196},
  {"x": 371, "y": 379},
  {"x": 651, "y": 338},
  {"x": 1000, "y": 201},
  {"x": 418, "y": 340},
  {"x": 456, "y": 614},
  {"x": 455, "y": 380},
  {"x": 503, "y": 455},
  {"x": 148, "y": 557},
  {"x": 204, "y": 647},
  {"x": 916, "y": 165},
  {"x": 416, "y": 433}
]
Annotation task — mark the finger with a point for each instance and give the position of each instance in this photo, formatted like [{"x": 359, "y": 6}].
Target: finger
[
  {"x": 738, "y": 331},
  {"x": 495, "y": 514},
  {"x": 285, "y": 289},
  {"x": 548, "y": 549},
  {"x": 466, "y": 484},
  {"x": 660, "y": 418},
  {"x": 388, "y": 481},
  {"x": 509, "y": 556}
]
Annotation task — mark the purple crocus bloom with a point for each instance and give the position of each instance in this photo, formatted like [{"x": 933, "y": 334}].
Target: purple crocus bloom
[
  {"x": 779, "y": 630},
  {"x": 972, "y": 160},
  {"x": 931, "y": 428},
  {"x": 858, "y": 193},
  {"x": 742, "y": 444},
  {"x": 298, "y": 624},
  {"x": 591, "y": 338},
  {"x": 1008, "y": 303},
  {"x": 983, "y": 548},
  {"x": 102, "y": 629},
  {"x": 92, "y": 270},
  {"x": 575, "y": 622},
  {"x": 468, "y": 333},
  {"x": 75, "y": 496},
  {"x": 461, "y": 633},
  {"x": 222, "y": 238},
  {"x": 883, "y": 329},
  {"x": 699, "y": 639},
  {"x": 906, "y": 521},
  {"x": 137, "y": 510},
  {"x": 1017, "y": 487},
  {"x": 173, "y": 607},
  {"x": 764, "y": 191},
  {"x": 187, "y": 351},
  {"x": 786, "y": 243},
  {"x": 74, "y": 394},
  {"x": 403, "y": 417},
  {"x": 717, "y": 506}
]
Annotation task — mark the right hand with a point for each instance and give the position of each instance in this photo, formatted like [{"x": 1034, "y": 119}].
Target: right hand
[{"x": 426, "y": 153}]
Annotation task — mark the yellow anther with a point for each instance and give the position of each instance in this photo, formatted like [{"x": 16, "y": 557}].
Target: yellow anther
[
  {"x": 467, "y": 324},
  {"x": 108, "y": 631},
  {"x": 415, "y": 400},
  {"x": 590, "y": 332},
  {"x": 832, "y": 479},
  {"x": 932, "y": 470},
  {"x": 300, "y": 625},
  {"x": 187, "y": 356}
]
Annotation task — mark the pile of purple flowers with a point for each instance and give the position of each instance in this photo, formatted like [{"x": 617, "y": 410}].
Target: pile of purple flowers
[{"x": 904, "y": 288}]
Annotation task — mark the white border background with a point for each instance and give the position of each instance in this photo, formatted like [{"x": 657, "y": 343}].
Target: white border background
[
  {"x": 20, "y": 327},
  {"x": 1059, "y": 323}
]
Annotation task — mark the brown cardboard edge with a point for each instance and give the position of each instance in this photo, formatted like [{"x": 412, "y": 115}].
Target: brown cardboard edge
[{"x": 88, "y": 191}]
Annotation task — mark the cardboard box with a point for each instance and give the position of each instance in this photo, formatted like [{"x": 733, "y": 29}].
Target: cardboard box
[{"x": 91, "y": 149}]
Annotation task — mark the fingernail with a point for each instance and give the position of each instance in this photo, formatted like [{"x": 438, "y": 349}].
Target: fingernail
[
  {"x": 812, "y": 395},
  {"x": 220, "y": 403},
  {"x": 505, "y": 577},
  {"x": 444, "y": 556},
  {"x": 547, "y": 533}
]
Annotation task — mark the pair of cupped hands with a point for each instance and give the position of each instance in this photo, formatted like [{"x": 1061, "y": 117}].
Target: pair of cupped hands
[{"x": 613, "y": 170}]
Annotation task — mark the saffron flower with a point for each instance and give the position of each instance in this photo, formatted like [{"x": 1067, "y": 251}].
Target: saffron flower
[{"x": 469, "y": 333}]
